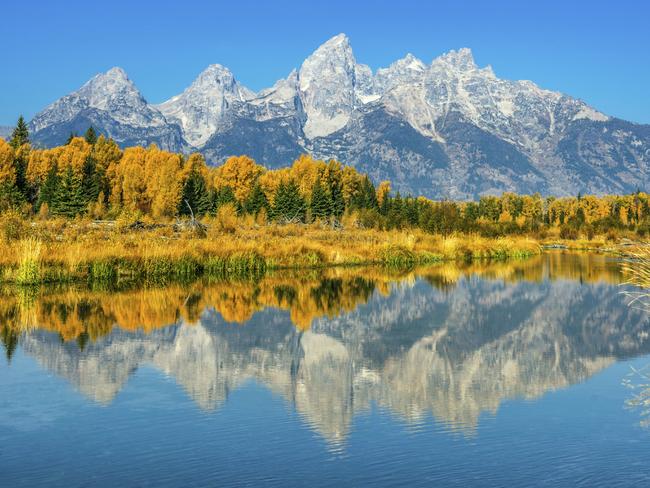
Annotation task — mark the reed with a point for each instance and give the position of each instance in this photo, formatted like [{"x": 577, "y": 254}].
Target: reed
[
  {"x": 637, "y": 270},
  {"x": 29, "y": 262}
]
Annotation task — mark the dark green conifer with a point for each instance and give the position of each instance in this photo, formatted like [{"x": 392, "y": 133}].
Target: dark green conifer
[
  {"x": 90, "y": 181},
  {"x": 336, "y": 196},
  {"x": 20, "y": 134},
  {"x": 256, "y": 201},
  {"x": 321, "y": 203},
  {"x": 47, "y": 193},
  {"x": 288, "y": 205},
  {"x": 90, "y": 135},
  {"x": 195, "y": 195},
  {"x": 68, "y": 199}
]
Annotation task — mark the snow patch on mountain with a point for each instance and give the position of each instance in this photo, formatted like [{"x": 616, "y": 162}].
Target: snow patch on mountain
[{"x": 591, "y": 114}]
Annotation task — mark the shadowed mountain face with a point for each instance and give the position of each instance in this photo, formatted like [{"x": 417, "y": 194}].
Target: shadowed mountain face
[
  {"x": 445, "y": 129},
  {"x": 449, "y": 344}
]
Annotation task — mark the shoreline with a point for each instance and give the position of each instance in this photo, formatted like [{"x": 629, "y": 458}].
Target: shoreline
[{"x": 79, "y": 252}]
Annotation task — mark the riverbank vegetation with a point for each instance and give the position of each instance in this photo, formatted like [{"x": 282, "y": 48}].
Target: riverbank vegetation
[{"x": 90, "y": 210}]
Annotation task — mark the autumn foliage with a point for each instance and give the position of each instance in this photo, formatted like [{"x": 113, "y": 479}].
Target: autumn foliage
[{"x": 93, "y": 176}]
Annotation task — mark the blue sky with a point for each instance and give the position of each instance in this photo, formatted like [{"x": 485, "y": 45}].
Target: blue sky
[{"x": 594, "y": 50}]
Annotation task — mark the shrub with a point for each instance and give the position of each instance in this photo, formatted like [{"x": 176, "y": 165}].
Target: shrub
[
  {"x": 568, "y": 232},
  {"x": 13, "y": 226},
  {"x": 226, "y": 218}
]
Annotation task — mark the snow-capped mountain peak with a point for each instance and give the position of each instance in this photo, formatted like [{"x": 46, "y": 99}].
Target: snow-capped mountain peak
[
  {"x": 462, "y": 59},
  {"x": 111, "y": 93},
  {"x": 405, "y": 71},
  {"x": 203, "y": 105},
  {"x": 327, "y": 87}
]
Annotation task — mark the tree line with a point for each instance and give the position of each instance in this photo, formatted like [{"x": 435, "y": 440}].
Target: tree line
[{"x": 91, "y": 175}]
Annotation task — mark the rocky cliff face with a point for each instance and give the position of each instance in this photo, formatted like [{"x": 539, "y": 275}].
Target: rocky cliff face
[{"x": 445, "y": 129}]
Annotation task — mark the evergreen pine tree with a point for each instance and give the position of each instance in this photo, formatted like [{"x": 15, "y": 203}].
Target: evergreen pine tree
[
  {"x": 195, "y": 194},
  {"x": 321, "y": 204},
  {"x": 394, "y": 216},
  {"x": 70, "y": 137},
  {"x": 256, "y": 201},
  {"x": 68, "y": 200},
  {"x": 20, "y": 134},
  {"x": 411, "y": 210},
  {"x": 369, "y": 194},
  {"x": 385, "y": 206},
  {"x": 47, "y": 193},
  {"x": 90, "y": 135},
  {"x": 90, "y": 183},
  {"x": 288, "y": 205},
  {"x": 19, "y": 137},
  {"x": 221, "y": 197},
  {"x": 336, "y": 197},
  {"x": 365, "y": 197}
]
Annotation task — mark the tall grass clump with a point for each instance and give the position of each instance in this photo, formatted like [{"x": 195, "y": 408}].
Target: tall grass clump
[
  {"x": 398, "y": 257},
  {"x": 240, "y": 265},
  {"x": 29, "y": 263},
  {"x": 103, "y": 271},
  {"x": 637, "y": 271}
]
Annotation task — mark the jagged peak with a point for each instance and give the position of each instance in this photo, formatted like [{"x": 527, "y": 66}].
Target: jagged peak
[
  {"x": 214, "y": 73},
  {"x": 338, "y": 40},
  {"x": 114, "y": 77},
  {"x": 105, "y": 86},
  {"x": 411, "y": 62},
  {"x": 408, "y": 62},
  {"x": 461, "y": 59},
  {"x": 337, "y": 46},
  {"x": 116, "y": 72}
]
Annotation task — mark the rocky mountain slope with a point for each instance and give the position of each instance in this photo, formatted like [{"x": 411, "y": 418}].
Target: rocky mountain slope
[{"x": 445, "y": 129}]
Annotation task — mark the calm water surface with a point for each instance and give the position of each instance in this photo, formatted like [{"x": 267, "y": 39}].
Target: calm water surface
[{"x": 502, "y": 374}]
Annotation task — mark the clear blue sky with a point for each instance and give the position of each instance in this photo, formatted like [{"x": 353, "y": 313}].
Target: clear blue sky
[{"x": 595, "y": 50}]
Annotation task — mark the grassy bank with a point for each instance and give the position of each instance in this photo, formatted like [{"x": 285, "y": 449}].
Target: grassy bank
[{"x": 64, "y": 251}]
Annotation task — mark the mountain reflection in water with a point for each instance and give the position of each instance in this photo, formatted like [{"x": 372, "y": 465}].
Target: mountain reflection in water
[{"x": 453, "y": 341}]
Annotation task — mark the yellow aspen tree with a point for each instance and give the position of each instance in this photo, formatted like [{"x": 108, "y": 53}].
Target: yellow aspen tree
[
  {"x": 74, "y": 154},
  {"x": 107, "y": 154},
  {"x": 165, "y": 186},
  {"x": 383, "y": 190},
  {"x": 270, "y": 180},
  {"x": 305, "y": 171},
  {"x": 7, "y": 170},
  {"x": 239, "y": 173},
  {"x": 132, "y": 178}
]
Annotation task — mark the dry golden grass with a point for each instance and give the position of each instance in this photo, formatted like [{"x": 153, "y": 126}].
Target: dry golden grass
[{"x": 69, "y": 248}]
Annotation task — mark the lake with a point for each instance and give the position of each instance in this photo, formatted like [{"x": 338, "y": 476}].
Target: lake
[{"x": 520, "y": 373}]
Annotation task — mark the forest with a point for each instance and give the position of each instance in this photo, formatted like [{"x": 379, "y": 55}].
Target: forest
[{"x": 91, "y": 176}]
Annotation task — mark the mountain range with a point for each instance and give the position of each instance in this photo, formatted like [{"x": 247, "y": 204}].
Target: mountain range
[{"x": 447, "y": 129}]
